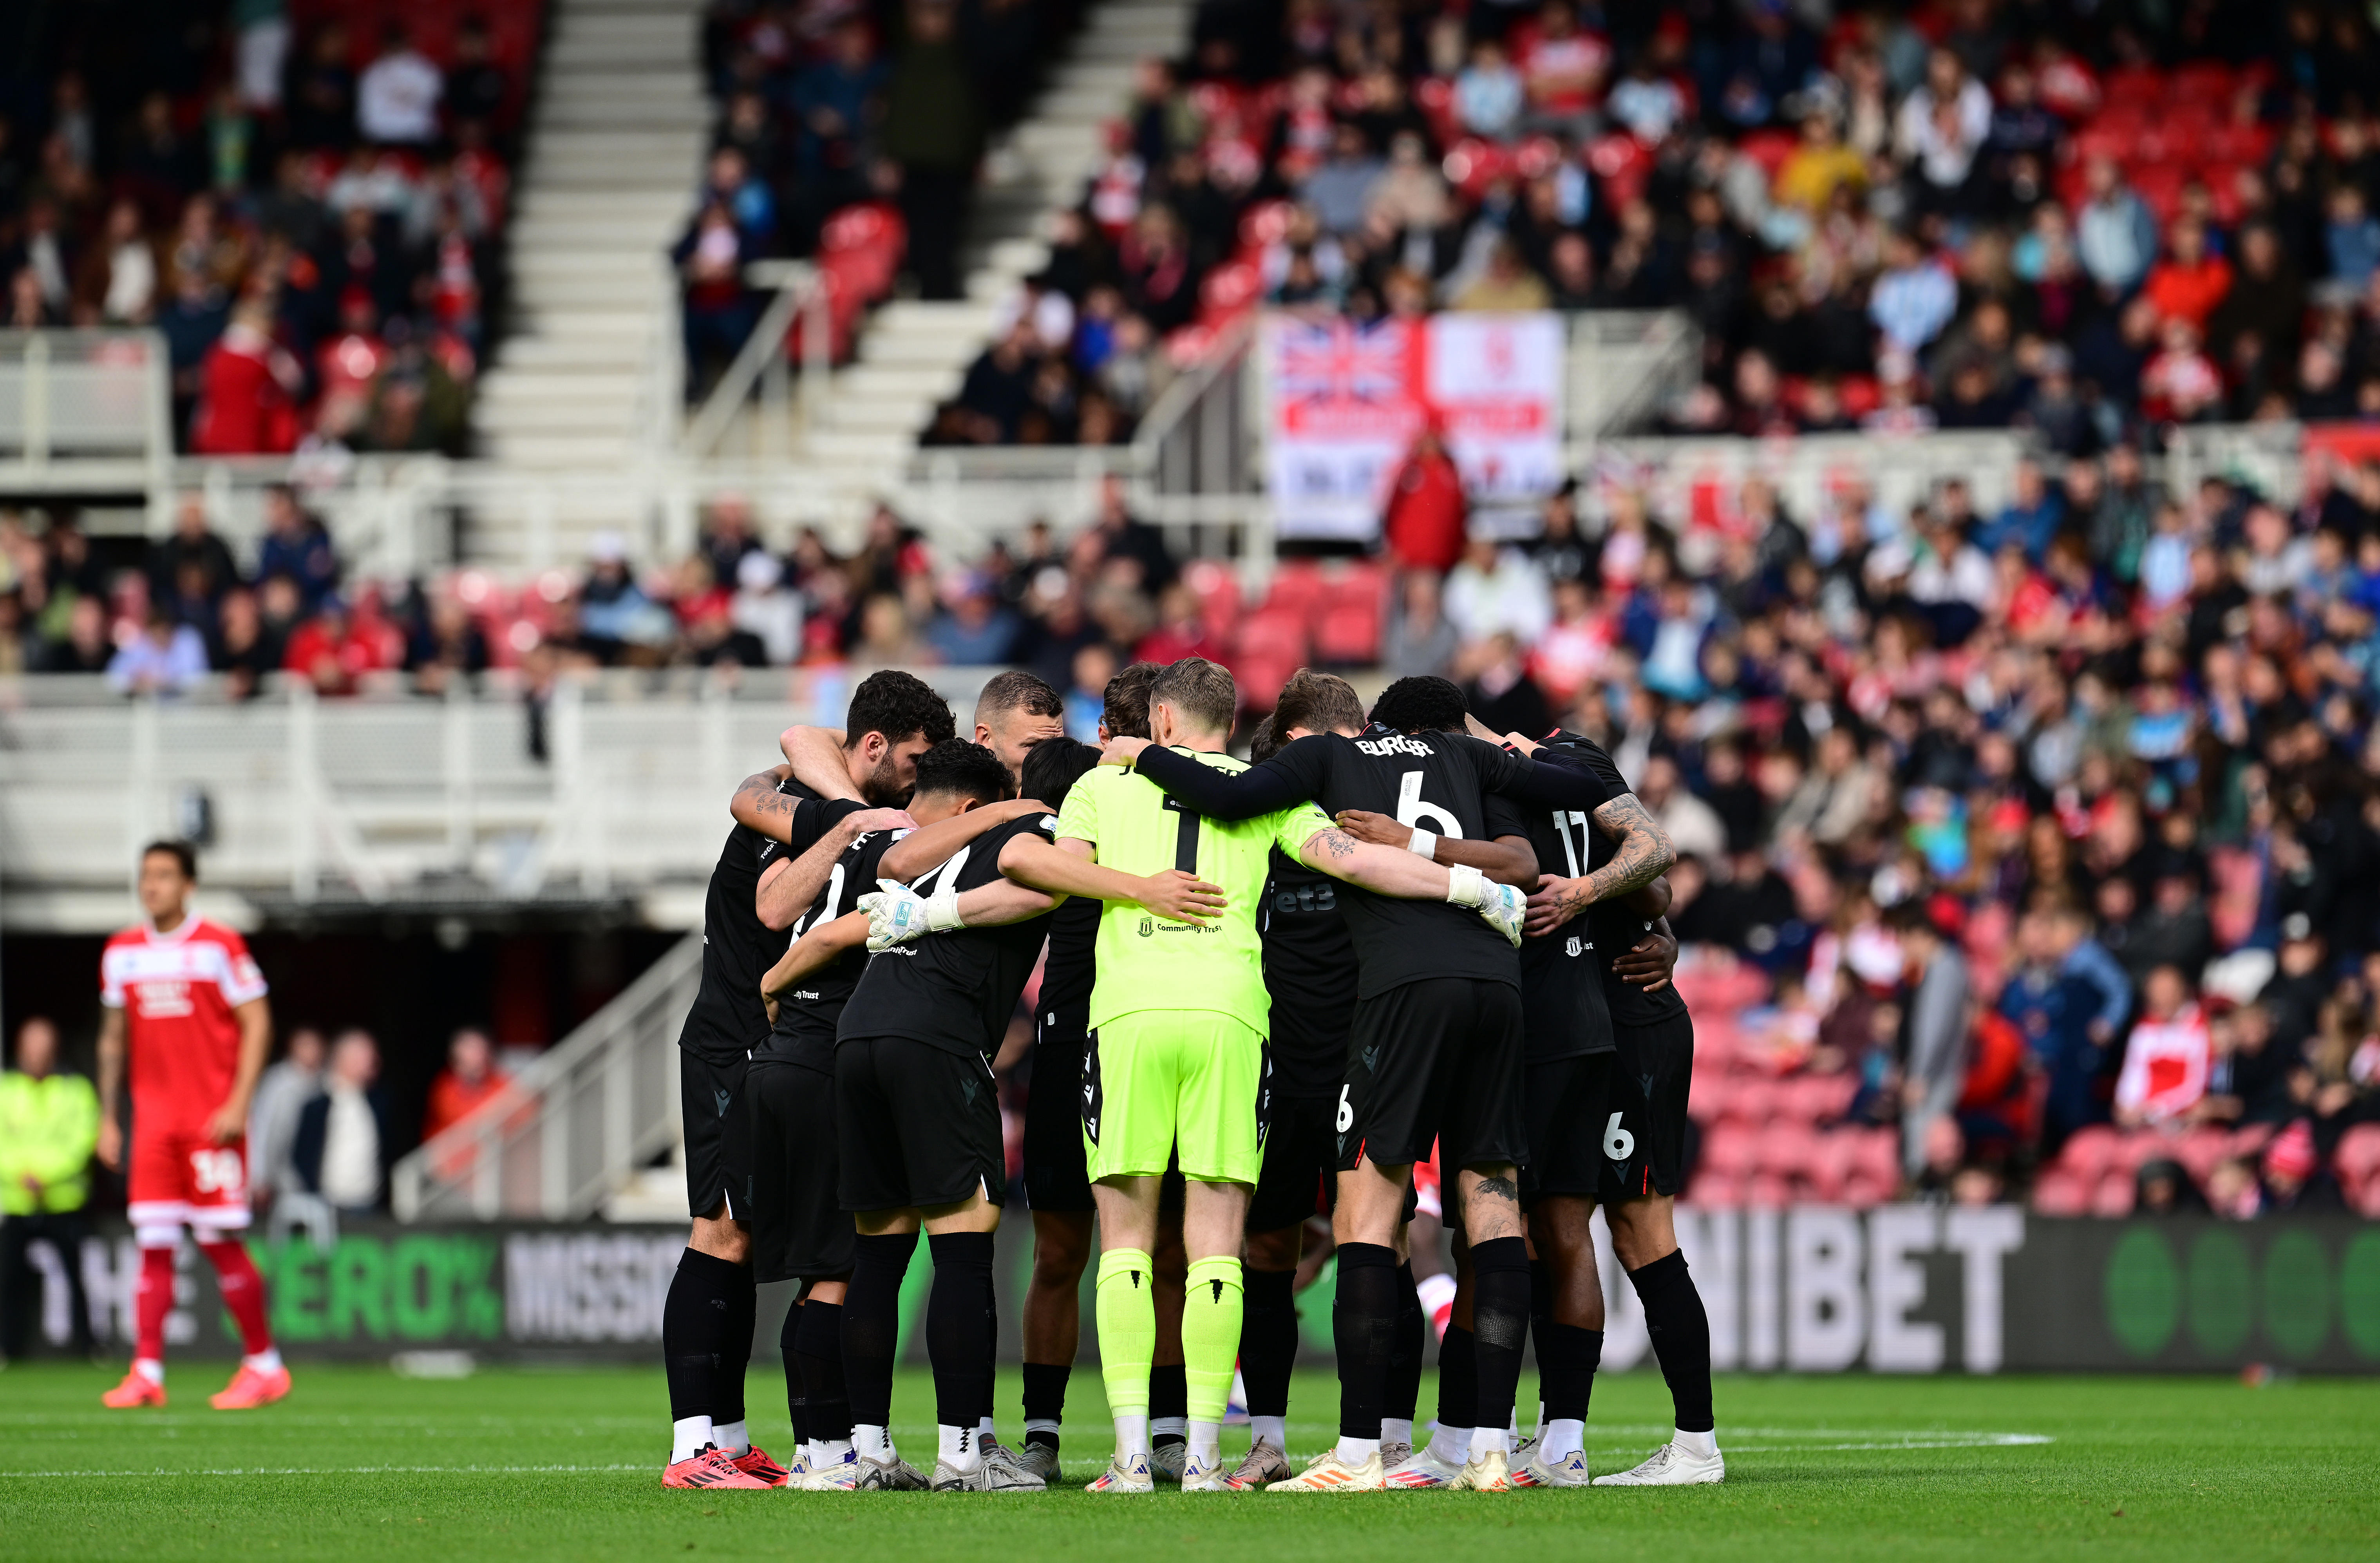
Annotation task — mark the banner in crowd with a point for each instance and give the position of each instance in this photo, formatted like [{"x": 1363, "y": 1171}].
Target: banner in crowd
[
  {"x": 1346, "y": 403},
  {"x": 1901, "y": 1289}
]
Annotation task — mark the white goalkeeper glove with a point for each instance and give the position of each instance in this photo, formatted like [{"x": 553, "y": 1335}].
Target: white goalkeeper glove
[{"x": 897, "y": 914}]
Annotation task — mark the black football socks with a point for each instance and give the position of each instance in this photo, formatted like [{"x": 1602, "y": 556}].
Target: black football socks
[
  {"x": 1500, "y": 1327},
  {"x": 1680, "y": 1332},
  {"x": 1362, "y": 1320}
]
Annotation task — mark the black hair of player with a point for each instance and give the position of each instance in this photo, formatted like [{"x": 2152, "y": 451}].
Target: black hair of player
[
  {"x": 961, "y": 768},
  {"x": 184, "y": 856},
  {"x": 1421, "y": 704},
  {"x": 900, "y": 706},
  {"x": 1126, "y": 714},
  {"x": 1265, "y": 742},
  {"x": 1054, "y": 766},
  {"x": 1017, "y": 690}
]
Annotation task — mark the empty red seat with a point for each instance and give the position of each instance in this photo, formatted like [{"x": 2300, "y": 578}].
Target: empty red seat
[
  {"x": 1296, "y": 588},
  {"x": 2114, "y": 1195},
  {"x": 1728, "y": 1150},
  {"x": 2088, "y": 1152},
  {"x": 1786, "y": 1149},
  {"x": 2057, "y": 1191},
  {"x": 1714, "y": 1191}
]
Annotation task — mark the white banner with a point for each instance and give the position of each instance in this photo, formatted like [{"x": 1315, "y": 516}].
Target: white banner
[{"x": 1346, "y": 403}]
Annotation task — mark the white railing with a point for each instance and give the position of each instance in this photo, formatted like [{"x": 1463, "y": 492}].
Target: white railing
[
  {"x": 1810, "y": 473},
  {"x": 1625, "y": 365},
  {"x": 794, "y": 288},
  {"x": 393, "y": 799},
  {"x": 576, "y": 1124},
  {"x": 86, "y": 413}
]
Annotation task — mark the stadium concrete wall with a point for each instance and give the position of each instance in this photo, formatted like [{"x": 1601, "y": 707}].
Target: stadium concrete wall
[{"x": 1900, "y": 1288}]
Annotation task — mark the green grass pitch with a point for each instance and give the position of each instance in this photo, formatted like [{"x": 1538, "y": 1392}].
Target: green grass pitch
[{"x": 361, "y": 1464}]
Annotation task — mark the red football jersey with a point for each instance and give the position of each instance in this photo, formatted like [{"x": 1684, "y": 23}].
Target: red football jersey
[{"x": 177, "y": 991}]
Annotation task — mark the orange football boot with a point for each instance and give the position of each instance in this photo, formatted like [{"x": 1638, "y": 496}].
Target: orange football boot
[
  {"x": 136, "y": 1390},
  {"x": 250, "y": 1390}
]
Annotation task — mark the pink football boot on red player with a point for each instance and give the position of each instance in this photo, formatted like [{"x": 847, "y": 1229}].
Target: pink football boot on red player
[
  {"x": 250, "y": 1388},
  {"x": 136, "y": 1390}
]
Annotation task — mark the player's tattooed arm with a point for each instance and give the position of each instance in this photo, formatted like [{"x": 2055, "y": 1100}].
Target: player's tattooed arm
[
  {"x": 110, "y": 1085},
  {"x": 1643, "y": 856},
  {"x": 1507, "y": 860},
  {"x": 816, "y": 755},
  {"x": 813, "y": 952},
  {"x": 929, "y": 845},
  {"x": 1382, "y": 870},
  {"x": 1174, "y": 895},
  {"x": 757, "y": 806},
  {"x": 1648, "y": 962}
]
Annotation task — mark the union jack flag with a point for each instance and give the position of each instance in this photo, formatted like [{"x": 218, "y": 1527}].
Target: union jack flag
[{"x": 1341, "y": 362}]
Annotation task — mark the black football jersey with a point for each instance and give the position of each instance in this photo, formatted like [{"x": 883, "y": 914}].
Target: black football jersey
[
  {"x": 954, "y": 989},
  {"x": 1309, "y": 968},
  {"x": 727, "y": 1019},
  {"x": 1613, "y": 927},
  {"x": 1435, "y": 781},
  {"x": 1561, "y": 973},
  {"x": 808, "y": 1012},
  {"x": 1071, "y": 967}
]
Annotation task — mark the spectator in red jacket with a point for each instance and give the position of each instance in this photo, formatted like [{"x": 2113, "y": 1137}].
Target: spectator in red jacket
[
  {"x": 248, "y": 390},
  {"x": 469, "y": 1080},
  {"x": 1425, "y": 523},
  {"x": 2189, "y": 282}
]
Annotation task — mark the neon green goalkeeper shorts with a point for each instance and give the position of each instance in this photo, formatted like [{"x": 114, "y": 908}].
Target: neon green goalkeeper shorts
[{"x": 1157, "y": 1080}]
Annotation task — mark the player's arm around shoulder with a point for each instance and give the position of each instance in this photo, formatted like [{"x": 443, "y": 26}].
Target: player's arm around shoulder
[
  {"x": 816, "y": 950},
  {"x": 1068, "y": 868}
]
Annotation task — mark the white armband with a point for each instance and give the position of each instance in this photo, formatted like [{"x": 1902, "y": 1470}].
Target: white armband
[
  {"x": 1423, "y": 843},
  {"x": 942, "y": 912}
]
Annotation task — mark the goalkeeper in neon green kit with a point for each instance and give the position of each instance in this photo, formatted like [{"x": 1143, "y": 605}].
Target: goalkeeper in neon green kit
[{"x": 1176, "y": 1061}]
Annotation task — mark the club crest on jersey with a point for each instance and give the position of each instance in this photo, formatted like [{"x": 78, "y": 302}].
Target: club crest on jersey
[
  {"x": 1574, "y": 947},
  {"x": 1147, "y": 927}
]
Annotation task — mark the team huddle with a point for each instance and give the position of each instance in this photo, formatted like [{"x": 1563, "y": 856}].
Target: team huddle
[{"x": 1391, "y": 942}]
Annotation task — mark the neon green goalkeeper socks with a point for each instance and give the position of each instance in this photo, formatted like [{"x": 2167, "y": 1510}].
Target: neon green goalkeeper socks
[
  {"x": 1126, "y": 1311},
  {"x": 1210, "y": 1335}
]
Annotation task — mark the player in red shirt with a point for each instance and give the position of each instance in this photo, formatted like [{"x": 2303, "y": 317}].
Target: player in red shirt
[{"x": 183, "y": 998}]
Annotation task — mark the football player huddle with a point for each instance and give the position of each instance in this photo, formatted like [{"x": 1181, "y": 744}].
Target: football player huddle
[{"x": 1266, "y": 992}]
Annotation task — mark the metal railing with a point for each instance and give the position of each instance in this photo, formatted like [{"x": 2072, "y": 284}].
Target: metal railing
[
  {"x": 393, "y": 799},
  {"x": 794, "y": 287},
  {"x": 1625, "y": 365},
  {"x": 86, "y": 412},
  {"x": 574, "y": 1126}
]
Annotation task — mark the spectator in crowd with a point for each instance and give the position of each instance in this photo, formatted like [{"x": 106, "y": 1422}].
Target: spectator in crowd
[
  {"x": 2115, "y": 235},
  {"x": 934, "y": 122},
  {"x": 1424, "y": 525},
  {"x": 282, "y": 1093},
  {"x": 469, "y": 1082},
  {"x": 164, "y": 658},
  {"x": 343, "y": 1146},
  {"x": 2168, "y": 1058},
  {"x": 49, "y": 1123},
  {"x": 397, "y": 97}
]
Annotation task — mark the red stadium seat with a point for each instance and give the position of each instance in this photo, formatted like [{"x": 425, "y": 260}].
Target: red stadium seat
[
  {"x": 2199, "y": 1150},
  {"x": 1714, "y": 1191},
  {"x": 1296, "y": 588},
  {"x": 2057, "y": 1191},
  {"x": 1434, "y": 95},
  {"x": 2357, "y": 1164},
  {"x": 2115, "y": 1195},
  {"x": 1728, "y": 1150},
  {"x": 2089, "y": 1152},
  {"x": 1265, "y": 223},
  {"x": 1217, "y": 587},
  {"x": 1769, "y": 149},
  {"x": 1272, "y": 635},
  {"x": 1710, "y": 1096}
]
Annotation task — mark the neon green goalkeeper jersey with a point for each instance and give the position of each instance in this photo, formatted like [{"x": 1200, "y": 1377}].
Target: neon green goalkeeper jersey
[{"x": 1147, "y": 961}]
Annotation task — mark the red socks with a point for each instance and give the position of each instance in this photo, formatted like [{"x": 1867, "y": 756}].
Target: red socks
[
  {"x": 153, "y": 1298},
  {"x": 242, "y": 1288}
]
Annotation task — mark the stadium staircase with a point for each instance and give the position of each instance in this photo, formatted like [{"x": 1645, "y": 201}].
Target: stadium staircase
[
  {"x": 589, "y": 373},
  {"x": 915, "y": 353},
  {"x": 579, "y": 1123}
]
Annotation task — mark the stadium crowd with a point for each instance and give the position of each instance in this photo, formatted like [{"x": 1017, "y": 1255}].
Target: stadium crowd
[
  {"x": 2088, "y": 222},
  {"x": 303, "y": 204}
]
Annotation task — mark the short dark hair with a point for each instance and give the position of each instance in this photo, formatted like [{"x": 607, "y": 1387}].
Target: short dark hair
[
  {"x": 1324, "y": 702},
  {"x": 1126, "y": 715},
  {"x": 1202, "y": 691},
  {"x": 1017, "y": 690},
  {"x": 184, "y": 855},
  {"x": 1424, "y": 703},
  {"x": 1265, "y": 742},
  {"x": 964, "y": 767},
  {"x": 899, "y": 706},
  {"x": 1054, "y": 766}
]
